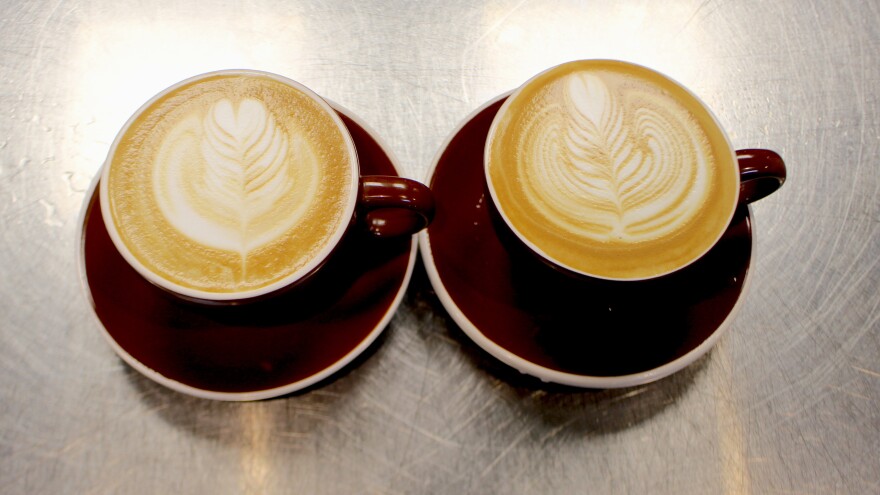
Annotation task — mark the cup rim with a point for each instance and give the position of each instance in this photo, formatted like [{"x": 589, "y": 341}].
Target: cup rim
[
  {"x": 231, "y": 297},
  {"x": 512, "y": 95}
]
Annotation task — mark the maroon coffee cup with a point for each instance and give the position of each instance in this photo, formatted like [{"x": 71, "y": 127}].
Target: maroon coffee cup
[
  {"x": 382, "y": 205},
  {"x": 565, "y": 211}
]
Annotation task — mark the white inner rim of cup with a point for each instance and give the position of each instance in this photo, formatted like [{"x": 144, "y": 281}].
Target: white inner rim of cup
[
  {"x": 535, "y": 248},
  {"x": 188, "y": 292}
]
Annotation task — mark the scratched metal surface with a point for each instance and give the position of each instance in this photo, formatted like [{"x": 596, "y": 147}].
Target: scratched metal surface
[{"x": 789, "y": 402}]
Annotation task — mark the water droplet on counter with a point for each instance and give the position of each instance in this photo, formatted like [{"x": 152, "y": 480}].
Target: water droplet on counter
[
  {"x": 51, "y": 214},
  {"x": 8, "y": 171},
  {"x": 77, "y": 182}
]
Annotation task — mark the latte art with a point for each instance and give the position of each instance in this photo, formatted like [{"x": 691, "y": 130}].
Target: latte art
[
  {"x": 224, "y": 180},
  {"x": 611, "y": 170},
  {"x": 230, "y": 183}
]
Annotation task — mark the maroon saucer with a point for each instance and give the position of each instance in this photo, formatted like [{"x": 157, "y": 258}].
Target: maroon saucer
[
  {"x": 595, "y": 333},
  {"x": 262, "y": 349}
]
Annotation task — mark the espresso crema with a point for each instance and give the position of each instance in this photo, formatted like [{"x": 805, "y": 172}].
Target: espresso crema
[
  {"x": 612, "y": 170},
  {"x": 230, "y": 183}
]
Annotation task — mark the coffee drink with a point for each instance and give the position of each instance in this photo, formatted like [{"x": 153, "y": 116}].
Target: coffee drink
[
  {"x": 611, "y": 170},
  {"x": 230, "y": 182}
]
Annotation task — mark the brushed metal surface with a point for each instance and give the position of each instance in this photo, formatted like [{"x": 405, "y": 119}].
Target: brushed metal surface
[{"x": 788, "y": 402}]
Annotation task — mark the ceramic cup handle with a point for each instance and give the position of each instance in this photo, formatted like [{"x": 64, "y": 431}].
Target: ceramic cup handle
[
  {"x": 394, "y": 206},
  {"x": 761, "y": 173}
]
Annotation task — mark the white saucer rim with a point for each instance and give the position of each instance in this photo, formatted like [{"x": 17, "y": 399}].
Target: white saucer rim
[
  {"x": 260, "y": 394},
  {"x": 543, "y": 373}
]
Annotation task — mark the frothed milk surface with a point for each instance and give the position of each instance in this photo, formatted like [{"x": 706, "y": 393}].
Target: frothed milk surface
[
  {"x": 230, "y": 183},
  {"x": 612, "y": 170}
]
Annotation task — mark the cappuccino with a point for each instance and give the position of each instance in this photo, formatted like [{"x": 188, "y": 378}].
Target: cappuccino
[
  {"x": 611, "y": 170},
  {"x": 229, "y": 182}
]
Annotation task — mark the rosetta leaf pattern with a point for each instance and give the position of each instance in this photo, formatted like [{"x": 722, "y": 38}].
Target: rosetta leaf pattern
[
  {"x": 597, "y": 143},
  {"x": 244, "y": 152},
  {"x": 617, "y": 175}
]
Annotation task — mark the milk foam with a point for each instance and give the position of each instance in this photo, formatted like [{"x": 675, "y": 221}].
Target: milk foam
[
  {"x": 611, "y": 169},
  {"x": 222, "y": 179},
  {"x": 613, "y": 165},
  {"x": 230, "y": 183}
]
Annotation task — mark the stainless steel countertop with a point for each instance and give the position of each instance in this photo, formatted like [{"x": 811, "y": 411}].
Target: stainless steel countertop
[{"x": 788, "y": 402}]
